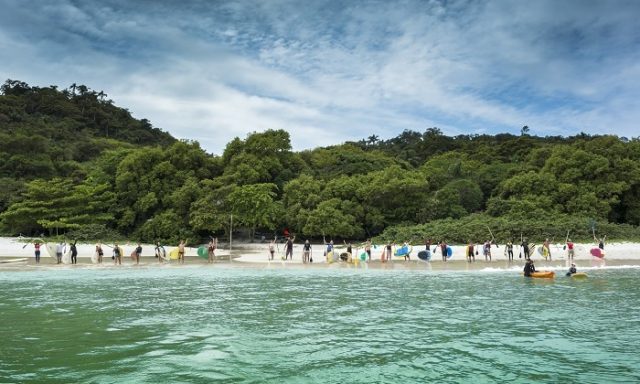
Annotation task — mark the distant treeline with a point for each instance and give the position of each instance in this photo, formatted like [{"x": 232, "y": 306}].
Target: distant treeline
[{"x": 70, "y": 160}]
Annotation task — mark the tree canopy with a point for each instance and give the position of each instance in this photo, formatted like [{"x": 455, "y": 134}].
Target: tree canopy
[{"x": 70, "y": 159}]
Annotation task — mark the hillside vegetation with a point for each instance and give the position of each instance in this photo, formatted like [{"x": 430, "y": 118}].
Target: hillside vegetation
[{"x": 72, "y": 162}]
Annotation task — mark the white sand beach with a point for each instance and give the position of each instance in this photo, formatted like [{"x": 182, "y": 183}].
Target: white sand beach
[{"x": 14, "y": 252}]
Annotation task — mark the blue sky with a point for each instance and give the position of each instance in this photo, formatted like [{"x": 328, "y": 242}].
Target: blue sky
[{"x": 331, "y": 71}]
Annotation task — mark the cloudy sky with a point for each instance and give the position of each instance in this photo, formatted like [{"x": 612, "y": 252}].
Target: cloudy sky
[{"x": 330, "y": 71}]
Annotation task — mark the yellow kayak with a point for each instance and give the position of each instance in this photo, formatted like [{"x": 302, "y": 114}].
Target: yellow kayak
[{"x": 543, "y": 274}]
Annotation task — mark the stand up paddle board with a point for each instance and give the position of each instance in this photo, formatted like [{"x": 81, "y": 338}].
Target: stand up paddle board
[
  {"x": 597, "y": 252},
  {"x": 449, "y": 252},
  {"x": 424, "y": 255}
]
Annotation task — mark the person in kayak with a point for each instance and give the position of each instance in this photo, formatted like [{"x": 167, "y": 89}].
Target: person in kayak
[
  {"x": 529, "y": 268},
  {"x": 572, "y": 270}
]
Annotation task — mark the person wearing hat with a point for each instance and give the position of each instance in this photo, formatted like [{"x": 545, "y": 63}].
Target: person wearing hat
[{"x": 572, "y": 270}]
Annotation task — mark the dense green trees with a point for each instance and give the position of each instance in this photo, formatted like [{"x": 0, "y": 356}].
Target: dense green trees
[{"x": 70, "y": 160}]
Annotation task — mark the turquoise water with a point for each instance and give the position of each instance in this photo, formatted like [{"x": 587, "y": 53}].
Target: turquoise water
[{"x": 198, "y": 325}]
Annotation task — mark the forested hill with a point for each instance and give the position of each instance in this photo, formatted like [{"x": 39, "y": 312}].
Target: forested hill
[
  {"x": 73, "y": 163},
  {"x": 46, "y": 132}
]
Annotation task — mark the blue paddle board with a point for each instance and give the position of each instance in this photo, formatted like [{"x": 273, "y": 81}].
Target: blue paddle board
[
  {"x": 402, "y": 251},
  {"x": 449, "y": 252}
]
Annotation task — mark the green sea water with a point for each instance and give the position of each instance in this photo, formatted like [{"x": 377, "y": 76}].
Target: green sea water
[{"x": 223, "y": 324}]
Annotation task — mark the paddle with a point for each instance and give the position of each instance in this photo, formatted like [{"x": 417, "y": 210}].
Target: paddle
[{"x": 493, "y": 239}]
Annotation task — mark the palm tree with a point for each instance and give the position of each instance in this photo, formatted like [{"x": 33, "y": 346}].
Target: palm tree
[{"x": 373, "y": 139}]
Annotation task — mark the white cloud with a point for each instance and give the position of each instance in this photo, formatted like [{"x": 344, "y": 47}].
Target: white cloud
[{"x": 331, "y": 71}]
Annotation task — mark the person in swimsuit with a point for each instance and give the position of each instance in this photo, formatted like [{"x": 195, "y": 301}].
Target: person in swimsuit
[
  {"x": 387, "y": 252},
  {"x": 470, "y": 252},
  {"x": 138, "y": 253},
  {"x": 329, "y": 249},
  {"x": 60, "y": 248},
  {"x": 160, "y": 252},
  {"x": 443, "y": 249},
  {"x": 546, "y": 249},
  {"x": 117, "y": 255},
  {"x": 288, "y": 248},
  {"x": 306, "y": 251},
  {"x": 272, "y": 248},
  {"x": 367, "y": 248},
  {"x": 36, "y": 245},
  {"x": 211, "y": 249},
  {"x": 181, "y": 251},
  {"x": 486, "y": 250},
  {"x": 99, "y": 252},
  {"x": 570, "y": 249},
  {"x": 572, "y": 270}
]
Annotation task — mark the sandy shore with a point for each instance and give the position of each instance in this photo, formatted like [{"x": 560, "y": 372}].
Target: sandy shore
[{"x": 256, "y": 256}]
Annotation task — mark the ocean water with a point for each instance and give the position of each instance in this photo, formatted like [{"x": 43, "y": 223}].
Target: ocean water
[{"x": 219, "y": 324}]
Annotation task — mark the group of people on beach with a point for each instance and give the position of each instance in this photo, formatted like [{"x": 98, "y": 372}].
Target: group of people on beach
[
  {"x": 471, "y": 251},
  {"x": 117, "y": 252}
]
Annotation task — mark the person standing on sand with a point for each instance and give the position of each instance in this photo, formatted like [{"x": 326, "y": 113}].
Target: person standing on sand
[
  {"x": 74, "y": 253},
  {"x": 36, "y": 245},
  {"x": 525, "y": 249},
  {"x": 600, "y": 242},
  {"x": 99, "y": 252},
  {"x": 367, "y": 248},
  {"x": 211, "y": 249},
  {"x": 510, "y": 250},
  {"x": 288, "y": 248},
  {"x": 60, "y": 248},
  {"x": 486, "y": 250},
  {"x": 306, "y": 251},
  {"x": 329, "y": 248},
  {"x": 570, "y": 250},
  {"x": 546, "y": 249},
  {"x": 117, "y": 255},
  {"x": 407, "y": 256},
  {"x": 387, "y": 252},
  {"x": 470, "y": 252},
  {"x": 160, "y": 253},
  {"x": 181, "y": 251},
  {"x": 443, "y": 249},
  {"x": 272, "y": 248},
  {"x": 138, "y": 253}
]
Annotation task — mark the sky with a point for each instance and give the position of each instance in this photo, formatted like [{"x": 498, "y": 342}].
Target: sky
[{"x": 332, "y": 71}]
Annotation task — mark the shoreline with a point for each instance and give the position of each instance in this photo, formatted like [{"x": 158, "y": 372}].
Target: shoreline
[{"x": 255, "y": 255}]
